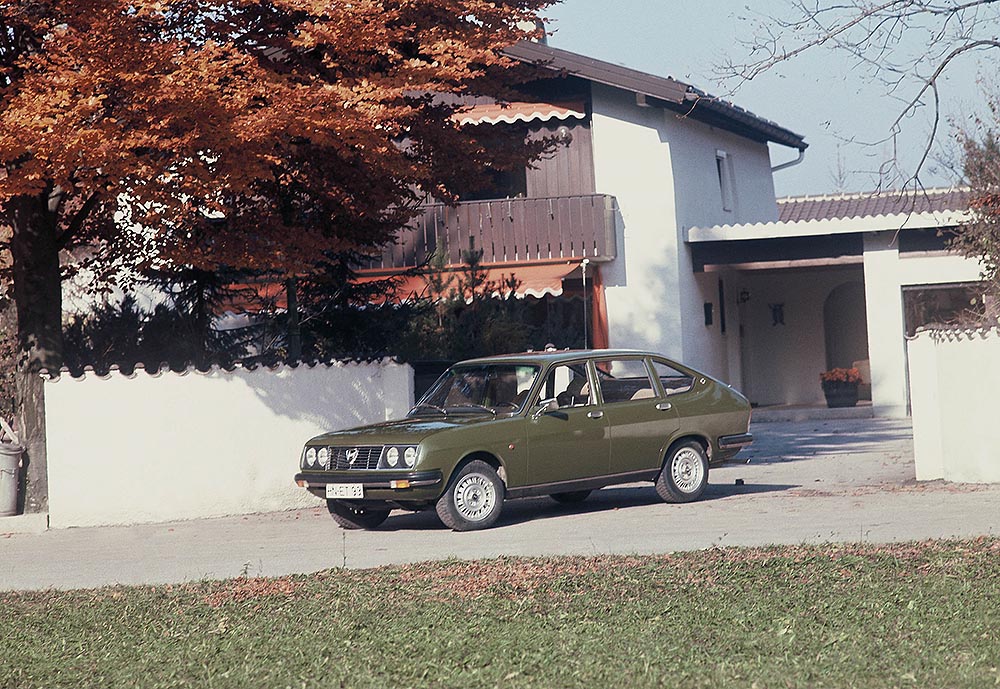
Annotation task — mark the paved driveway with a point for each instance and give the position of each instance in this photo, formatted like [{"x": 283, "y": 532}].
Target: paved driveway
[{"x": 808, "y": 482}]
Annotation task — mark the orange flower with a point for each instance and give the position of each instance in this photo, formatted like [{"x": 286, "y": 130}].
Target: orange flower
[{"x": 841, "y": 375}]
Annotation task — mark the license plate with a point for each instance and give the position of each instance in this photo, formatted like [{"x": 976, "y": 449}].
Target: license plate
[{"x": 345, "y": 491}]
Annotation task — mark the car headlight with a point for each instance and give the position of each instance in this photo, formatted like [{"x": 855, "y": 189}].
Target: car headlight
[
  {"x": 310, "y": 457},
  {"x": 398, "y": 457},
  {"x": 323, "y": 457}
]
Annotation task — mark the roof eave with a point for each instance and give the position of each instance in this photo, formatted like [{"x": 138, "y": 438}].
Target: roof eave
[{"x": 677, "y": 95}]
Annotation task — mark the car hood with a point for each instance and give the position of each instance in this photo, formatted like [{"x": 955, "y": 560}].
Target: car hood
[{"x": 404, "y": 431}]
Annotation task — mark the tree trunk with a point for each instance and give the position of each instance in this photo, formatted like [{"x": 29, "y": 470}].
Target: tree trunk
[
  {"x": 34, "y": 247},
  {"x": 33, "y": 491},
  {"x": 37, "y": 292},
  {"x": 294, "y": 329}
]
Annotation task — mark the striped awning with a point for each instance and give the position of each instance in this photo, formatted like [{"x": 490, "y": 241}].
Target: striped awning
[
  {"x": 534, "y": 280},
  {"x": 510, "y": 113}
]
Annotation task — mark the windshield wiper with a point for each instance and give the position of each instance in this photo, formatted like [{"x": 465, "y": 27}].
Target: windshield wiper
[{"x": 429, "y": 406}]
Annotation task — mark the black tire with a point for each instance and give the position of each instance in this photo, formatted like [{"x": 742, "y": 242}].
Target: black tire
[
  {"x": 351, "y": 516},
  {"x": 571, "y": 497},
  {"x": 473, "y": 499},
  {"x": 684, "y": 474}
]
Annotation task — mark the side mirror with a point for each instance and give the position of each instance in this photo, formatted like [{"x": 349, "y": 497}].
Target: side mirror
[{"x": 545, "y": 406}]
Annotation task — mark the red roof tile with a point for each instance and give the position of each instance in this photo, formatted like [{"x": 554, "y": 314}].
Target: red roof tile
[{"x": 871, "y": 204}]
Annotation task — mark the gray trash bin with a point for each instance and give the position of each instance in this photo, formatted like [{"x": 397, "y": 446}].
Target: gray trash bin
[{"x": 10, "y": 465}]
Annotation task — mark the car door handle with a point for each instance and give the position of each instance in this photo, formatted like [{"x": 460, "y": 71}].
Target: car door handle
[
  {"x": 664, "y": 406},
  {"x": 595, "y": 415}
]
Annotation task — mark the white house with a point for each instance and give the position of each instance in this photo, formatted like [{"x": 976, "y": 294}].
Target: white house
[{"x": 663, "y": 198}]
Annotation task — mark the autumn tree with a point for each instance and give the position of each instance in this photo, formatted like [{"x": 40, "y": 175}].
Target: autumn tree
[
  {"x": 909, "y": 46},
  {"x": 247, "y": 133},
  {"x": 979, "y": 237}
]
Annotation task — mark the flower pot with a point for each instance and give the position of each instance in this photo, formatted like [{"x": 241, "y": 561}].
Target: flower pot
[{"x": 840, "y": 394}]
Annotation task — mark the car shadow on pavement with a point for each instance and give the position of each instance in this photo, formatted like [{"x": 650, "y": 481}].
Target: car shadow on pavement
[
  {"x": 785, "y": 442},
  {"x": 607, "y": 499}
]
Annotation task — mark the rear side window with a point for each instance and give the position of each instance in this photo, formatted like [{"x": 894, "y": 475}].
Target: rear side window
[
  {"x": 623, "y": 380},
  {"x": 673, "y": 380}
]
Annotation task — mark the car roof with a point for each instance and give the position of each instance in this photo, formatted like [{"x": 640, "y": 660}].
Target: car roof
[{"x": 545, "y": 357}]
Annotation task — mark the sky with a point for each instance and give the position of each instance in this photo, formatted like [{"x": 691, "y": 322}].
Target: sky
[{"x": 840, "y": 108}]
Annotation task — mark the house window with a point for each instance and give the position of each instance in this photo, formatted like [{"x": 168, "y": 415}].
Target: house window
[{"x": 724, "y": 168}]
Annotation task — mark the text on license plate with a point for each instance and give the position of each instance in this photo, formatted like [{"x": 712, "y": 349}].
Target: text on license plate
[{"x": 345, "y": 490}]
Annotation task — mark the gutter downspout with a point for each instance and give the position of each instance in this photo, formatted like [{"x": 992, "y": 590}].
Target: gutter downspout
[{"x": 790, "y": 163}]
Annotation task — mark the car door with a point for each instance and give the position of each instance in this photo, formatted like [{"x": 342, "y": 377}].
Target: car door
[
  {"x": 570, "y": 442},
  {"x": 640, "y": 418}
]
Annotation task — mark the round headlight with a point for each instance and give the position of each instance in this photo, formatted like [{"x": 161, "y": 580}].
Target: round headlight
[
  {"x": 410, "y": 456},
  {"x": 311, "y": 456},
  {"x": 392, "y": 456},
  {"x": 323, "y": 457}
]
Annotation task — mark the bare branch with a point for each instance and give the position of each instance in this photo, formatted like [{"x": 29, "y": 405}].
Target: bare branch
[{"x": 906, "y": 45}]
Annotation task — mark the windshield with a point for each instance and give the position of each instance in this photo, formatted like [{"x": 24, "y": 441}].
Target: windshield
[{"x": 494, "y": 388}]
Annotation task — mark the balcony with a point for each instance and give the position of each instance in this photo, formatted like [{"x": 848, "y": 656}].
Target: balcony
[{"x": 509, "y": 231}]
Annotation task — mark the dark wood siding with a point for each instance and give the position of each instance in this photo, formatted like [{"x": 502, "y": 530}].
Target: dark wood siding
[{"x": 567, "y": 171}]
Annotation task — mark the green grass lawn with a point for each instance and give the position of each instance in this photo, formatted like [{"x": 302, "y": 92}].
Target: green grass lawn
[{"x": 913, "y": 615}]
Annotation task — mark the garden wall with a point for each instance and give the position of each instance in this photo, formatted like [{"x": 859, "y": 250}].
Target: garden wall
[
  {"x": 167, "y": 446},
  {"x": 954, "y": 379}
]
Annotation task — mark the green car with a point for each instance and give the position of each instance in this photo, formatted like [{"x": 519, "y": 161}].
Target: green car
[{"x": 560, "y": 423}]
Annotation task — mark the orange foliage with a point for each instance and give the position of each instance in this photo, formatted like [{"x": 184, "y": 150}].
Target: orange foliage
[{"x": 246, "y": 133}]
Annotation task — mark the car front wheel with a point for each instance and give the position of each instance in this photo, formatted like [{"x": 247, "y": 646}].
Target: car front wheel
[
  {"x": 355, "y": 516},
  {"x": 473, "y": 499},
  {"x": 684, "y": 474}
]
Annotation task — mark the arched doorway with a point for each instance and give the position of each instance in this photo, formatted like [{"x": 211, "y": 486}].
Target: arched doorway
[{"x": 846, "y": 326}]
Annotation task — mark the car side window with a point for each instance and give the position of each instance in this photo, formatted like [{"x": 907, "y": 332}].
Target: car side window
[
  {"x": 673, "y": 380},
  {"x": 569, "y": 385},
  {"x": 623, "y": 380}
]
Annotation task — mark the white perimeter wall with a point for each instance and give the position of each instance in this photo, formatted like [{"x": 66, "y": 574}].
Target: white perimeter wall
[
  {"x": 886, "y": 273},
  {"x": 953, "y": 381},
  {"x": 170, "y": 446}
]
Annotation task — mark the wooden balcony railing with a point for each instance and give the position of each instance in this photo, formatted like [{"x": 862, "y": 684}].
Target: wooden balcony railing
[{"x": 508, "y": 231}]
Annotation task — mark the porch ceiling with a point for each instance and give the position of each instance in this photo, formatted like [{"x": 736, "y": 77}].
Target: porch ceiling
[{"x": 785, "y": 252}]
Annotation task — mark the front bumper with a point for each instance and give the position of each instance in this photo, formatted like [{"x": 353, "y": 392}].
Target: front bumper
[{"x": 378, "y": 485}]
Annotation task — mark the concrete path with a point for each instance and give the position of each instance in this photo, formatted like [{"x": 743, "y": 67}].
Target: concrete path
[{"x": 808, "y": 482}]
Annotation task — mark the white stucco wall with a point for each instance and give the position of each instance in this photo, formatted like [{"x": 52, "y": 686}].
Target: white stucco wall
[
  {"x": 632, "y": 162},
  {"x": 662, "y": 170},
  {"x": 170, "y": 446},
  {"x": 953, "y": 379},
  {"x": 699, "y": 203},
  {"x": 886, "y": 273}
]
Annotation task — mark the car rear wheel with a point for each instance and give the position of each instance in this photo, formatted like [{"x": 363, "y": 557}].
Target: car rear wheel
[
  {"x": 473, "y": 499},
  {"x": 684, "y": 474},
  {"x": 356, "y": 516},
  {"x": 571, "y": 496}
]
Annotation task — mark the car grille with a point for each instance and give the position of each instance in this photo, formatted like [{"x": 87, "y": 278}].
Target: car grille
[{"x": 366, "y": 459}]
